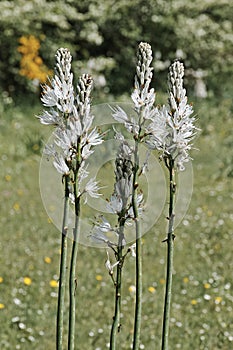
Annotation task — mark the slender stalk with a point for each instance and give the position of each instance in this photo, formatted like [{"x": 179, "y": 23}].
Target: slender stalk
[
  {"x": 138, "y": 301},
  {"x": 62, "y": 274},
  {"x": 73, "y": 261},
  {"x": 73, "y": 281},
  {"x": 116, "y": 325},
  {"x": 170, "y": 253}
]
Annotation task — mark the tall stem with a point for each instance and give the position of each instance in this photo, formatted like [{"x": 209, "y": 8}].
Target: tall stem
[
  {"x": 116, "y": 325},
  {"x": 73, "y": 282},
  {"x": 62, "y": 274},
  {"x": 73, "y": 261},
  {"x": 170, "y": 253},
  {"x": 138, "y": 301}
]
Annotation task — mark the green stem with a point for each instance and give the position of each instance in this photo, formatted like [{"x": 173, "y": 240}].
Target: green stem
[
  {"x": 170, "y": 253},
  {"x": 73, "y": 261},
  {"x": 116, "y": 325},
  {"x": 73, "y": 280},
  {"x": 138, "y": 301},
  {"x": 62, "y": 275}
]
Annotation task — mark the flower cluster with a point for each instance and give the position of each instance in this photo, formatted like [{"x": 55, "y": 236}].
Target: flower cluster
[
  {"x": 31, "y": 64},
  {"x": 70, "y": 114},
  {"x": 143, "y": 96},
  {"x": 172, "y": 128},
  {"x": 120, "y": 202}
]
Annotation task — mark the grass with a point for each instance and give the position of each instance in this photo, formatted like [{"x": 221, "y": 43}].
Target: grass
[{"x": 201, "y": 314}]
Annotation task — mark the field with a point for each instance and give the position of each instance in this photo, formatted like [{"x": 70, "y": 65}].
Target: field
[{"x": 202, "y": 302}]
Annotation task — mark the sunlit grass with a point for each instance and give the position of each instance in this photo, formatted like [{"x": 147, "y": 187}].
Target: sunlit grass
[{"x": 30, "y": 247}]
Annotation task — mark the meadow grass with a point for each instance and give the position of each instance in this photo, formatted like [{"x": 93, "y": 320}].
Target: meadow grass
[{"x": 202, "y": 301}]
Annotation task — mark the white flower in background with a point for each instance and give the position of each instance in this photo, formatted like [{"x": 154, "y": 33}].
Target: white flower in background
[{"x": 172, "y": 129}]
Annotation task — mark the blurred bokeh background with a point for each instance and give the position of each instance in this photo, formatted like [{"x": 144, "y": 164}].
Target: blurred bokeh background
[{"x": 103, "y": 37}]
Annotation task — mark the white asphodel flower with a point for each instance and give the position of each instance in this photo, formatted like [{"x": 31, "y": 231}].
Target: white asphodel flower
[
  {"x": 143, "y": 96},
  {"x": 173, "y": 129},
  {"x": 70, "y": 114},
  {"x": 92, "y": 188},
  {"x": 60, "y": 164},
  {"x": 49, "y": 97},
  {"x": 50, "y": 118},
  {"x": 132, "y": 250},
  {"x": 110, "y": 266}
]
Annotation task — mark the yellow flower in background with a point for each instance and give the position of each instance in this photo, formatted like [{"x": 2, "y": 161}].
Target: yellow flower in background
[
  {"x": 194, "y": 302},
  {"x": 151, "y": 289},
  {"x": 53, "y": 283},
  {"x": 8, "y": 178},
  {"x": 186, "y": 280},
  {"x": 98, "y": 277},
  {"x": 207, "y": 285},
  {"x": 47, "y": 260},
  {"x": 218, "y": 300},
  {"x": 35, "y": 147},
  {"x": 2, "y": 306},
  {"x": 162, "y": 281},
  {"x": 16, "y": 206},
  {"x": 1, "y": 279},
  {"x": 31, "y": 64},
  {"x": 27, "y": 281},
  {"x": 132, "y": 289}
]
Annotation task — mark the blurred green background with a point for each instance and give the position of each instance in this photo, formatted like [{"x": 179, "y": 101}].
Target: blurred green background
[{"x": 103, "y": 38}]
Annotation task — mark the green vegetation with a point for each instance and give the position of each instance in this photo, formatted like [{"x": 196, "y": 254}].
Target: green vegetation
[
  {"x": 201, "y": 311},
  {"x": 103, "y": 35}
]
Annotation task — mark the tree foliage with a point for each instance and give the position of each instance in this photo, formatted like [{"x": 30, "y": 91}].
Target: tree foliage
[{"x": 103, "y": 37}]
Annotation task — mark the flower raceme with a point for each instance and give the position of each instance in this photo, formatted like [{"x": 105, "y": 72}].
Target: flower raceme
[
  {"x": 143, "y": 95},
  {"x": 70, "y": 113},
  {"x": 172, "y": 128}
]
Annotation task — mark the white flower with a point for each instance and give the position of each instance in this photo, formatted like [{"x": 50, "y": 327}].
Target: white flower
[
  {"x": 49, "y": 98},
  {"x": 114, "y": 205},
  {"x": 173, "y": 128},
  {"x": 93, "y": 138},
  {"x": 60, "y": 164},
  {"x": 109, "y": 266},
  {"x": 121, "y": 116},
  {"x": 132, "y": 249},
  {"x": 92, "y": 188},
  {"x": 143, "y": 96},
  {"x": 50, "y": 118}
]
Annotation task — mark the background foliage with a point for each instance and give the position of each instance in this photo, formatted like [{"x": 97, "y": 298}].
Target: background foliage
[{"x": 103, "y": 36}]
